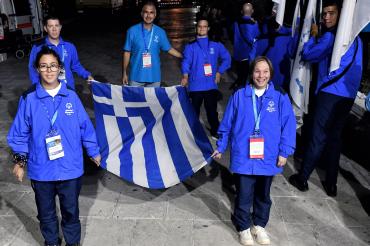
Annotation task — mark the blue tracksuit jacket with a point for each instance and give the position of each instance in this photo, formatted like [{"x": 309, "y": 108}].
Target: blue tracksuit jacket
[
  {"x": 31, "y": 125},
  {"x": 320, "y": 52},
  {"x": 245, "y": 33},
  {"x": 277, "y": 125},
  {"x": 279, "y": 54},
  {"x": 71, "y": 62},
  {"x": 199, "y": 52}
]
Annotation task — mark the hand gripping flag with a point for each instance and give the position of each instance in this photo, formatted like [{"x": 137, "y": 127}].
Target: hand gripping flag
[{"x": 149, "y": 136}]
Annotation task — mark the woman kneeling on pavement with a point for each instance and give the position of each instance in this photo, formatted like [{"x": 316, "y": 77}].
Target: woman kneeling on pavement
[
  {"x": 47, "y": 135},
  {"x": 260, "y": 124}
]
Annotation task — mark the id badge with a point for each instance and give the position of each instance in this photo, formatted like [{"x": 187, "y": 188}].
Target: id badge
[
  {"x": 147, "y": 60},
  {"x": 54, "y": 145},
  {"x": 207, "y": 69},
  {"x": 62, "y": 74},
  {"x": 256, "y": 147}
]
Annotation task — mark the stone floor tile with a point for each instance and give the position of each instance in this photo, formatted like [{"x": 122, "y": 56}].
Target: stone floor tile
[
  {"x": 302, "y": 235},
  {"x": 214, "y": 233},
  {"x": 101, "y": 204},
  {"x": 305, "y": 210},
  {"x": 140, "y": 205},
  {"x": 109, "y": 232},
  {"x": 8, "y": 201},
  {"x": 349, "y": 211},
  {"x": 193, "y": 206}
]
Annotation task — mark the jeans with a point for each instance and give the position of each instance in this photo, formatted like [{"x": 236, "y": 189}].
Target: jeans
[{"x": 68, "y": 192}]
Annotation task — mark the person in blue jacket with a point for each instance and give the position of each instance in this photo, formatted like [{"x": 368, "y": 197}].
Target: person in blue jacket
[
  {"x": 46, "y": 136},
  {"x": 335, "y": 94},
  {"x": 141, "y": 51},
  {"x": 260, "y": 125},
  {"x": 204, "y": 62},
  {"x": 66, "y": 51},
  {"x": 245, "y": 33}
]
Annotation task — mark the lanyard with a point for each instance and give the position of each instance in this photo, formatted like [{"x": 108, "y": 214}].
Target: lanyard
[
  {"x": 55, "y": 115},
  {"x": 63, "y": 53},
  {"x": 257, "y": 118},
  {"x": 147, "y": 48},
  {"x": 205, "y": 54}
]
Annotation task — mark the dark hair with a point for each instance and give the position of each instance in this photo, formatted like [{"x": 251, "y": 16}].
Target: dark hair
[
  {"x": 254, "y": 63},
  {"x": 202, "y": 18},
  {"x": 51, "y": 17},
  {"x": 328, "y": 3},
  {"x": 149, "y": 3},
  {"x": 46, "y": 51}
]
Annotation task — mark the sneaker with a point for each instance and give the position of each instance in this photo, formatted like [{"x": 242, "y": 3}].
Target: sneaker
[
  {"x": 298, "y": 183},
  {"x": 245, "y": 237},
  {"x": 260, "y": 235}
]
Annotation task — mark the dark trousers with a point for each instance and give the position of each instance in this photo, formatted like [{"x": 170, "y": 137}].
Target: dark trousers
[
  {"x": 68, "y": 192},
  {"x": 210, "y": 103},
  {"x": 329, "y": 119},
  {"x": 252, "y": 190}
]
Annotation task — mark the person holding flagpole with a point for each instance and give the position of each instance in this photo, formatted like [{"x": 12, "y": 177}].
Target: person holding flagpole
[{"x": 335, "y": 94}]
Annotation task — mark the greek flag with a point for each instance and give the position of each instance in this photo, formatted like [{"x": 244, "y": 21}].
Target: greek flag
[{"x": 149, "y": 136}]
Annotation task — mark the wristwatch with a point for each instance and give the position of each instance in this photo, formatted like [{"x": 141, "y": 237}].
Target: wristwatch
[{"x": 20, "y": 160}]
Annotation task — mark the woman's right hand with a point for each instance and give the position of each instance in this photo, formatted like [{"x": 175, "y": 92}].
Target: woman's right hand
[
  {"x": 216, "y": 154},
  {"x": 18, "y": 172}
]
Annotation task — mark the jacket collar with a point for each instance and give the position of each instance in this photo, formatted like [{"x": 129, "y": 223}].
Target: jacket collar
[
  {"x": 41, "y": 92},
  {"x": 48, "y": 43},
  {"x": 268, "y": 93}
]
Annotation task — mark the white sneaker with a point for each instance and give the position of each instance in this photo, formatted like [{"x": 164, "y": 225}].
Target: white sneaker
[
  {"x": 245, "y": 237},
  {"x": 261, "y": 235}
]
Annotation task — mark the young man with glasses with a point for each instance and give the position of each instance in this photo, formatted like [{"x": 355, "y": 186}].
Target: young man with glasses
[
  {"x": 66, "y": 51},
  {"x": 204, "y": 62}
]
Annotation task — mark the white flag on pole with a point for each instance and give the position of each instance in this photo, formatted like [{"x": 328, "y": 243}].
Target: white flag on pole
[
  {"x": 301, "y": 71},
  {"x": 280, "y": 11},
  {"x": 353, "y": 18}
]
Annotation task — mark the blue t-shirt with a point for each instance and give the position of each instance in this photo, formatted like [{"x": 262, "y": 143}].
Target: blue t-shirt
[{"x": 155, "y": 42}]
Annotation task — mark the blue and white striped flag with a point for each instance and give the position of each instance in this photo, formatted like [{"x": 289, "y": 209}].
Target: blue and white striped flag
[{"x": 149, "y": 136}]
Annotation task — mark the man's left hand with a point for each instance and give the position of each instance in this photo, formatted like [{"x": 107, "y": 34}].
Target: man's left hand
[
  {"x": 218, "y": 78},
  {"x": 89, "y": 79},
  {"x": 281, "y": 161}
]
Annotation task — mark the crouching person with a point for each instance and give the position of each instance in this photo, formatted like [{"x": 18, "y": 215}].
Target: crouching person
[
  {"x": 46, "y": 137},
  {"x": 260, "y": 124}
]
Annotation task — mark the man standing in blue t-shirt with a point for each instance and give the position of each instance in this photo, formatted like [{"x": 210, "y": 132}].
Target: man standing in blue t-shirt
[
  {"x": 204, "y": 62},
  {"x": 143, "y": 44}
]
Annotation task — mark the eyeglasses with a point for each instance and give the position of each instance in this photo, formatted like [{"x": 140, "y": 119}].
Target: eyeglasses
[{"x": 53, "y": 67}]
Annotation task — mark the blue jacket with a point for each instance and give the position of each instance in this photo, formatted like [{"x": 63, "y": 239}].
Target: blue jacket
[
  {"x": 245, "y": 33},
  {"x": 279, "y": 54},
  {"x": 199, "y": 52},
  {"x": 320, "y": 52},
  {"x": 277, "y": 125},
  {"x": 31, "y": 125},
  {"x": 71, "y": 62}
]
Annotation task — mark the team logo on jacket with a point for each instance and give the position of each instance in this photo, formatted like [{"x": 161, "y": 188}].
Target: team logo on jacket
[
  {"x": 65, "y": 53},
  {"x": 156, "y": 38},
  {"x": 271, "y": 107},
  {"x": 211, "y": 51},
  {"x": 69, "y": 109}
]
